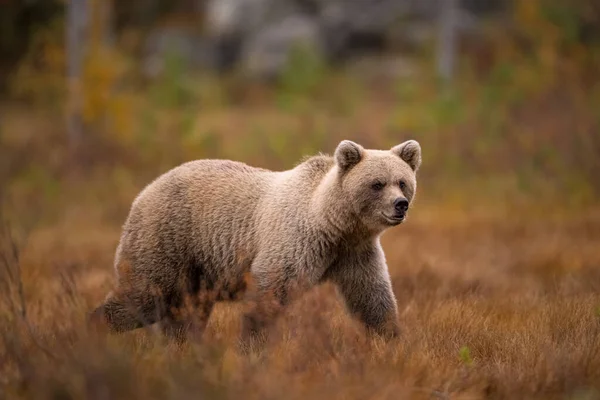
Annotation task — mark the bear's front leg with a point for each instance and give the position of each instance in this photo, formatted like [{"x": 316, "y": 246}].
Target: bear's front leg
[
  {"x": 363, "y": 280},
  {"x": 265, "y": 303},
  {"x": 275, "y": 284}
]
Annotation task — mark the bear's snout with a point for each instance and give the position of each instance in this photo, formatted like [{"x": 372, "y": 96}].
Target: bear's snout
[{"x": 401, "y": 206}]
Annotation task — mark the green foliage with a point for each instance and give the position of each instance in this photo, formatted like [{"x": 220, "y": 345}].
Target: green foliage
[
  {"x": 172, "y": 89},
  {"x": 39, "y": 76},
  {"x": 566, "y": 18},
  {"x": 464, "y": 354},
  {"x": 447, "y": 107},
  {"x": 305, "y": 70}
]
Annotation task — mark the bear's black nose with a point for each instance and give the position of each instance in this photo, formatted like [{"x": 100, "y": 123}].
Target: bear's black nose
[{"x": 401, "y": 205}]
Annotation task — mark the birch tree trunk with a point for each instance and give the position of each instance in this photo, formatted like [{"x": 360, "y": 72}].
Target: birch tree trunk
[
  {"x": 77, "y": 15},
  {"x": 108, "y": 22},
  {"x": 447, "y": 39}
]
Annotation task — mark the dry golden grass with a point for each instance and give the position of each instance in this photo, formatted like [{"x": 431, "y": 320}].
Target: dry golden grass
[{"x": 503, "y": 304}]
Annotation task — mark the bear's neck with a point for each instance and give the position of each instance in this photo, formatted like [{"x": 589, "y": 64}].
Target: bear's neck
[{"x": 334, "y": 219}]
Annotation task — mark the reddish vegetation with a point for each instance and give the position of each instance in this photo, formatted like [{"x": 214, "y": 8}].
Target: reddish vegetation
[{"x": 503, "y": 307}]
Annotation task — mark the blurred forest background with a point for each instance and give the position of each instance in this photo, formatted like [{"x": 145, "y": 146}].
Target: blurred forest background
[
  {"x": 497, "y": 272},
  {"x": 504, "y": 95}
]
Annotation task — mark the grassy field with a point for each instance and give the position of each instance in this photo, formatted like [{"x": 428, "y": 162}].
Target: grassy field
[
  {"x": 497, "y": 299},
  {"x": 504, "y": 307},
  {"x": 497, "y": 270}
]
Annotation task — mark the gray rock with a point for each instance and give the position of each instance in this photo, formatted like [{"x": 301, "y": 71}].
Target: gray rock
[
  {"x": 362, "y": 16},
  {"x": 244, "y": 17},
  {"x": 266, "y": 52},
  {"x": 258, "y": 34},
  {"x": 192, "y": 50}
]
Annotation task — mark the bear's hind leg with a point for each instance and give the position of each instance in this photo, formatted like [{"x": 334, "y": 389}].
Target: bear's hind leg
[{"x": 120, "y": 314}]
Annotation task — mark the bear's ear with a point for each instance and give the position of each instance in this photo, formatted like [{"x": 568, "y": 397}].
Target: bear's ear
[
  {"x": 348, "y": 154},
  {"x": 410, "y": 152}
]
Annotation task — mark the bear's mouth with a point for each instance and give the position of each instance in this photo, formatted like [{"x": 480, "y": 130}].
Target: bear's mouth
[{"x": 394, "y": 219}]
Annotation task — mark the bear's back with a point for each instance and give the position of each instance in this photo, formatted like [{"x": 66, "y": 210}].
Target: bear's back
[
  {"x": 200, "y": 212},
  {"x": 207, "y": 212}
]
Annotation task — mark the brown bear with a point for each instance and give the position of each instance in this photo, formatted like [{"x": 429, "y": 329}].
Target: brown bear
[{"x": 198, "y": 230}]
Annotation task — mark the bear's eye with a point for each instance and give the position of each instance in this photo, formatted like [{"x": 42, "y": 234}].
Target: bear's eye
[
  {"x": 378, "y": 185},
  {"x": 402, "y": 185}
]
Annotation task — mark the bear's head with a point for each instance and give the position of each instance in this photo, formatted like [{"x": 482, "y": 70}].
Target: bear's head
[{"x": 380, "y": 185}]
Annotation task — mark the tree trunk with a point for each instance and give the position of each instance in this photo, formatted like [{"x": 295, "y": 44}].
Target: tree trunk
[
  {"x": 447, "y": 39},
  {"x": 77, "y": 14}
]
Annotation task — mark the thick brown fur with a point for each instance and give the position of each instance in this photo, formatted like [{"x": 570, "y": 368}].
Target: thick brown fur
[{"x": 200, "y": 229}]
